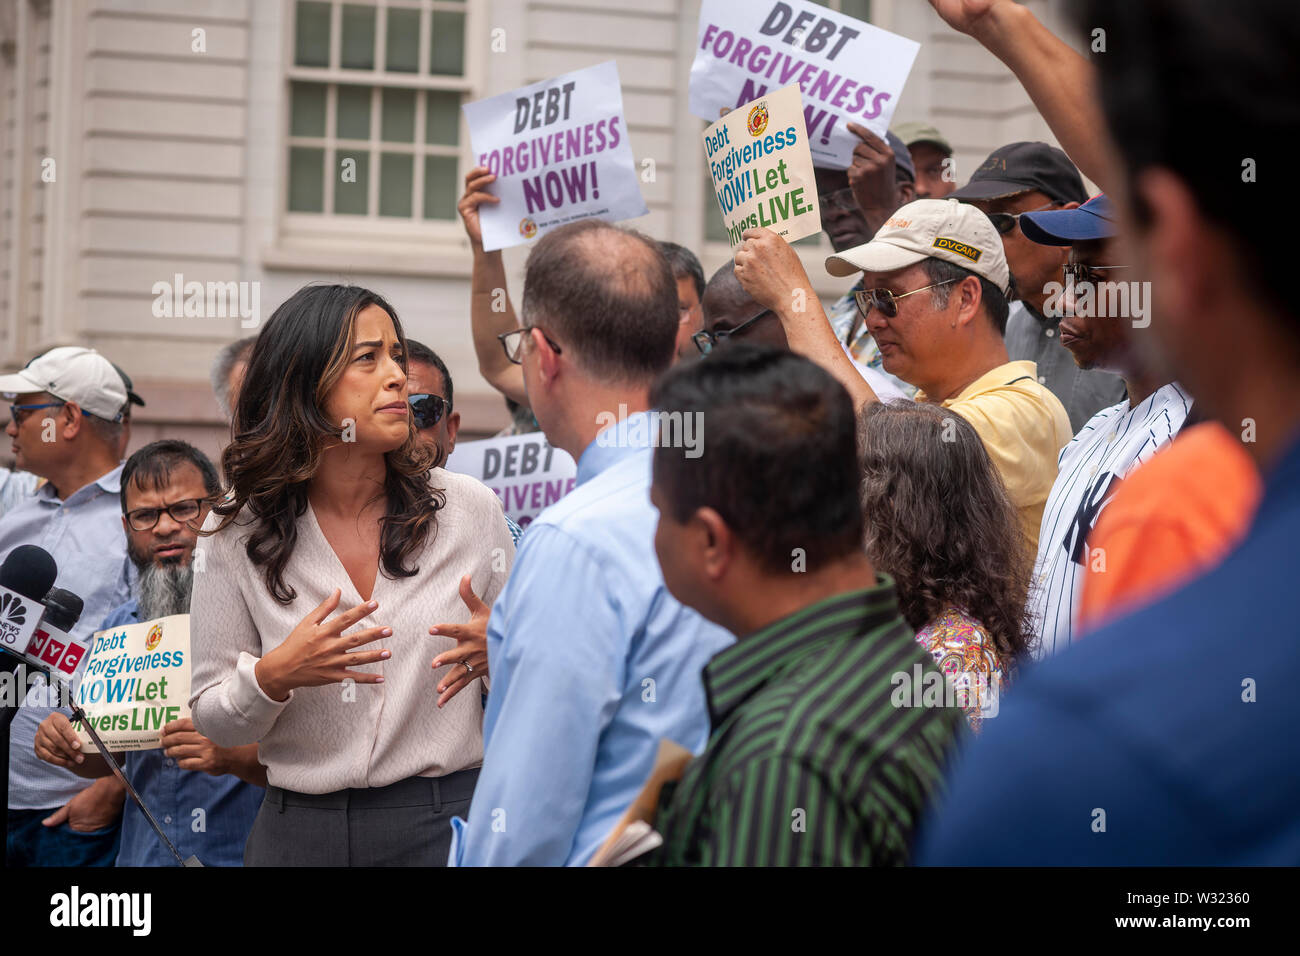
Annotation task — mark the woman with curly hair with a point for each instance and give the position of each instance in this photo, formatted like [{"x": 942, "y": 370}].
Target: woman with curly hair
[
  {"x": 331, "y": 502},
  {"x": 938, "y": 521}
]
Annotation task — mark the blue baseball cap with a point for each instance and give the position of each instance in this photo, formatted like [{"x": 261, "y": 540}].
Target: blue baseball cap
[{"x": 1095, "y": 219}]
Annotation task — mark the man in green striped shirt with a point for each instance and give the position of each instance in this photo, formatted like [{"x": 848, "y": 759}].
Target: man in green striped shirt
[{"x": 820, "y": 753}]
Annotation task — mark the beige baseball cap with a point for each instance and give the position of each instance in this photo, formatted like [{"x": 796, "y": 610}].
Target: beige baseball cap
[
  {"x": 73, "y": 374},
  {"x": 946, "y": 229}
]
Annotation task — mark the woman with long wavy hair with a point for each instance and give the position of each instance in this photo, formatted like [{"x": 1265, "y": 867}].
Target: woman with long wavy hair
[
  {"x": 331, "y": 502},
  {"x": 938, "y": 521}
]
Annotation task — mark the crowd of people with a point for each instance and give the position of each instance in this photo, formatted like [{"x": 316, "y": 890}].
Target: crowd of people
[{"x": 985, "y": 562}]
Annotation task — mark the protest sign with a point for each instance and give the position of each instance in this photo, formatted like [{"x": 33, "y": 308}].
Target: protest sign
[
  {"x": 762, "y": 170},
  {"x": 848, "y": 70},
  {"x": 527, "y": 474},
  {"x": 560, "y": 153},
  {"x": 137, "y": 680}
]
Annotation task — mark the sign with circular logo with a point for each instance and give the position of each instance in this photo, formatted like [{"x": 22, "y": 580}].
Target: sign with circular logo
[
  {"x": 527, "y": 228},
  {"x": 153, "y": 638},
  {"x": 757, "y": 121}
]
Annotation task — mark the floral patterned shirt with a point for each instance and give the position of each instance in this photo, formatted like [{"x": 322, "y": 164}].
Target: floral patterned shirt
[{"x": 970, "y": 662}]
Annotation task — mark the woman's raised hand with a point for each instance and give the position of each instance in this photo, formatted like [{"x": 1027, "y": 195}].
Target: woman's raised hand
[{"x": 317, "y": 652}]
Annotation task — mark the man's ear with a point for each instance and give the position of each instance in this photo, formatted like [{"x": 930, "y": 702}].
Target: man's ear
[
  {"x": 70, "y": 420},
  {"x": 453, "y": 426},
  {"x": 906, "y": 192},
  {"x": 717, "y": 541},
  {"x": 968, "y": 295},
  {"x": 548, "y": 362}
]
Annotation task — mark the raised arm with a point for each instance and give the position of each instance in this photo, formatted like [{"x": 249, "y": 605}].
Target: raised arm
[
  {"x": 1056, "y": 77},
  {"x": 770, "y": 271},
  {"x": 490, "y": 310}
]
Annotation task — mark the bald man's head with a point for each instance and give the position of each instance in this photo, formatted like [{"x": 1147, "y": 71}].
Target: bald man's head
[{"x": 728, "y": 306}]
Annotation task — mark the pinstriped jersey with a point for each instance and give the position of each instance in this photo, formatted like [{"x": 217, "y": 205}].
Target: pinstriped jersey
[{"x": 1114, "y": 442}]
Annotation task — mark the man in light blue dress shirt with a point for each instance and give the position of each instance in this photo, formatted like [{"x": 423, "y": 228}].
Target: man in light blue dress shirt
[{"x": 592, "y": 661}]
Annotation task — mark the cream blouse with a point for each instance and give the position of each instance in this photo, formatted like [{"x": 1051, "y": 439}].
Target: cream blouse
[{"x": 329, "y": 738}]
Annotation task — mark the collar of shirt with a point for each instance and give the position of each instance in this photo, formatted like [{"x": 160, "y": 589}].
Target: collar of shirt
[
  {"x": 990, "y": 381},
  {"x": 616, "y": 442},
  {"x": 740, "y": 671},
  {"x": 1046, "y": 321},
  {"x": 107, "y": 483}
]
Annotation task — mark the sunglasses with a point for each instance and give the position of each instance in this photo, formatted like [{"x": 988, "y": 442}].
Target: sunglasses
[
  {"x": 1077, "y": 272},
  {"x": 19, "y": 413},
  {"x": 427, "y": 410},
  {"x": 707, "y": 341},
  {"x": 1006, "y": 222},
  {"x": 886, "y": 301}
]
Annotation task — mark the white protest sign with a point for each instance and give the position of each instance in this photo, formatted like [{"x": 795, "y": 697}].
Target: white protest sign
[
  {"x": 762, "y": 169},
  {"x": 848, "y": 70},
  {"x": 137, "y": 680},
  {"x": 527, "y": 474},
  {"x": 560, "y": 153}
]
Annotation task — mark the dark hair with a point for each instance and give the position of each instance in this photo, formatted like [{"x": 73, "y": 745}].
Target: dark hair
[
  {"x": 152, "y": 466},
  {"x": 607, "y": 296},
  {"x": 684, "y": 264},
  {"x": 941, "y": 270},
  {"x": 939, "y": 521},
  {"x": 419, "y": 352},
  {"x": 1168, "y": 65},
  {"x": 281, "y": 433},
  {"x": 779, "y": 454}
]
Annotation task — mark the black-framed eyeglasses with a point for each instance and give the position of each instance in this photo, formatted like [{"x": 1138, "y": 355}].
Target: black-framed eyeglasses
[
  {"x": 1004, "y": 222},
  {"x": 18, "y": 419},
  {"x": 427, "y": 410},
  {"x": 886, "y": 301},
  {"x": 842, "y": 199},
  {"x": 183, "y": 511},
  {"x": 707, "y": 341},
  {"x": 513, "y": 341},
  {"x": 1077, "y": 272}
]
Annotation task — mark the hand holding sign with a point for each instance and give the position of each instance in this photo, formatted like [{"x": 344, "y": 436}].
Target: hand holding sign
[
  {"x": 770, "y": 271},
  {"x": 471, "y": 646},
  {"x": 317, "y": 653},
  {"x": 192, "y": 751},
  {"x": 872, "y": 174},
  {"x": 477, "y": 180}
]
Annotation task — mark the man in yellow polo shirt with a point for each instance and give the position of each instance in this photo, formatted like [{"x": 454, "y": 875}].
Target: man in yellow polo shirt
[{"x": 935, "y": 283}]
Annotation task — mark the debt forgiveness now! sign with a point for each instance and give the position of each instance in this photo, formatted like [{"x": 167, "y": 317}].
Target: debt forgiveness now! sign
[
  {"x": 847, "y": 70},
  {"x": 527, "y": 473},
  {"x": 560, "y": 153},
  {"x": 137, "y": 680},
  {"x": 762, "y": 170}
]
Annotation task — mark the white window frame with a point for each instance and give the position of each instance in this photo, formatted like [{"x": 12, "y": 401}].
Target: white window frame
[{"x": 372, "y": 226}]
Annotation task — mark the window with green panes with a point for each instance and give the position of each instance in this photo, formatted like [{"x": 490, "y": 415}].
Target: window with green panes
[
  {"x": 375, "y": 90},
  {"x": 713, "y": 228}
]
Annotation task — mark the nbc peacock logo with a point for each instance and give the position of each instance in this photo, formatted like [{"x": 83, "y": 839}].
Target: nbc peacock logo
[{"x": 13, "y": 615}]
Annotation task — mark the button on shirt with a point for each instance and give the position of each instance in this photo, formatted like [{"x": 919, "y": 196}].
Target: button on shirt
[
  {"x": 1037, "y": 338},
  {"x": 85, "y": 537},
  {"x": 593, "y": 661},
  {"x": 1023, "y": 428},
  {"x": 174, "y": 796},
  {"x": 1177, "y": 721},
  {"x": 812, "y": 762}
]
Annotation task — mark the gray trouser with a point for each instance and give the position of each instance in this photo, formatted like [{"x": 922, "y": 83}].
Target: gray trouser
[{"x": 407, "y": 823}]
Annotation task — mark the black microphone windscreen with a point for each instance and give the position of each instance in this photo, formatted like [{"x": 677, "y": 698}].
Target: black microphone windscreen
[
  {"x": 29, "y": 570},
  {"x": 62, "y": 608}
]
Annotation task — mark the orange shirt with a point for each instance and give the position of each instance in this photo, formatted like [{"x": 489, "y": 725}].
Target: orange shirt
[{"x": 1176, "y": 515}]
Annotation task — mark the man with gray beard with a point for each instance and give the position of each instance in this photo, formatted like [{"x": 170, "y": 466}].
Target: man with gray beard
[{"x": 204, "y": 797}]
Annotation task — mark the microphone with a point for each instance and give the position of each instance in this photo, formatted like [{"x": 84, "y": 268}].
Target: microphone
[{"x": 35, "y": 617}]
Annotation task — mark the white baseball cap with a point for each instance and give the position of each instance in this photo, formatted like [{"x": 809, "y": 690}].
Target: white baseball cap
[
  {"x": 946, "y": 229},
  {"x": 73, "y": 374}
]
